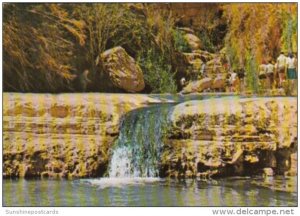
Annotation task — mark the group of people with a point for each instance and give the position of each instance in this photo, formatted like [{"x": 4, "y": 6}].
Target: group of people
[
  {"x": 282, "y": 74},
  {"x": 272, "y": 75}
]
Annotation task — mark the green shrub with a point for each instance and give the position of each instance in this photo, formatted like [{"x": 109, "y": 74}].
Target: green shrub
[
  {"x": 289, "y": 32},
  {"x": 206, "y": 40},
  {"x": 180, "y": 43},
  {"x": 157, "y": 72},
  {"x": 252, "y": 75}
]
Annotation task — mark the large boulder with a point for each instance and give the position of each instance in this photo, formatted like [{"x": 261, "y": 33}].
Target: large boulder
[
  {"x": 204, "y": 54},
  {"x": 215, "y": 66},
  {"x": 197, "y": 86},
  {"x": 122, "y": 70},
  {"x": 199, "y": 55},
  {"x": 193, "y": 41},
  {"x": 219, "y": 83},
  {"x": 191, "y": 57},
  {"x": 232, "y": 136}
]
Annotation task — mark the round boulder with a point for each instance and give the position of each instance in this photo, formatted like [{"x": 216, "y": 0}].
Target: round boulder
[
  {"x": 122, "y": 70},
  {"x": 193, "y": 41}
]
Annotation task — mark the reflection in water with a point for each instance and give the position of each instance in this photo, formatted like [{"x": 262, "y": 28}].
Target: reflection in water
[{"x": 145, "y": 192}]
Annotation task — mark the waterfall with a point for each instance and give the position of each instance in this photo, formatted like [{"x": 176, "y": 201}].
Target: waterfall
[{"x": 137, "y": 150}]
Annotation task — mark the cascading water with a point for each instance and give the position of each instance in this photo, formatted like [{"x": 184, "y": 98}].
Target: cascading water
[{"x": 137, "y": 150}]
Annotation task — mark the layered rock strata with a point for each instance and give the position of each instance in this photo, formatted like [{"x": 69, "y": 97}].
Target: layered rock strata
[
  {"x": 232, "y": 137},
  {"x": 67, "y": 135},
  {"x": 71, "y": 135}
]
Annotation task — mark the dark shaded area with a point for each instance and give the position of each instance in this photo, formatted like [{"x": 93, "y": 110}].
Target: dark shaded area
[{"x": 46, "y": 47}]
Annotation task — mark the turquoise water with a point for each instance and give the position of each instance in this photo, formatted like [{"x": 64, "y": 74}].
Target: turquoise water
[{"x": 144, "y": 192}]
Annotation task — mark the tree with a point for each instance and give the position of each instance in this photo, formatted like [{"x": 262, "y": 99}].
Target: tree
[{"x": 258, "y": 32}]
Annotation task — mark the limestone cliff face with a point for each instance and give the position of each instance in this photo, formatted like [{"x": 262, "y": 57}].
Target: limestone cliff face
[
  {"x": 67, "y": 135},
  {"x": 71, "y": 135},
  {"x": 230, "y": 137}
]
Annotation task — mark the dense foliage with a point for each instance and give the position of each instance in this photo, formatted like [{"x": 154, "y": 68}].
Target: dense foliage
[
  {"x": 257, "y": 33},
  {"x": 46, "y": 45},
  {"x": 39, "y": 42},
  {"x": 180, "y": 43}
]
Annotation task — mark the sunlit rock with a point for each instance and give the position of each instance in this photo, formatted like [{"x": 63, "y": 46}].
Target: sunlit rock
[
  {"x": 198, "y": 86},
  {"x": 232, "y": 136},
  {"x": 62, "y": 136},
  {"x": 219, "y": 83},
  {"x": 193, "y": 41},
  {"x": 123, "y": 71}
]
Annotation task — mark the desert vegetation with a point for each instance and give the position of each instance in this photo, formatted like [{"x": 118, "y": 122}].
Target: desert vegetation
[{"x": 46, "y": 46}]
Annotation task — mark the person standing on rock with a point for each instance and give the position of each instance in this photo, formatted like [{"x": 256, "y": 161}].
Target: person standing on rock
[
  {"x": 203, "y": 68},
  {"x": 281, "y": 67},
  {"x": 270, "y": 74},
  {"x": 233, "y": 82},
  {"x": 262, "y": 74},
  {"x": 183, "y": 82},
  {"x": 291, "y": 73},
  {"x": 241, "y": 76}
]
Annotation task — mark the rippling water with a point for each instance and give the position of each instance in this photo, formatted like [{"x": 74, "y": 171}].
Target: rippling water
[{"x": 145, "y": 192}]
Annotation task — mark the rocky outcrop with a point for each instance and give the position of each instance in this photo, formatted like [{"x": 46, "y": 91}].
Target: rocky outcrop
[
  {"x": 196, "y": 58},
  {"x": 67, "y": 135},
  {"x": 215, "y": 69},
  {"x": 71, "y": 135},
  {"x": 231, "y": 137},
  {"x": 193, "y": 41},
  {"x": 186, "y": 30},
  {"x": 219, "y": 83},
  {"x": 203, "y": 54},
  {"x": 123, "y": 72},
  {"x": 197, "y": 86}
]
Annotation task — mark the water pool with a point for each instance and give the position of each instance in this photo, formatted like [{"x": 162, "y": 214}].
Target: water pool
[{"x": 150, "y": 192}]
